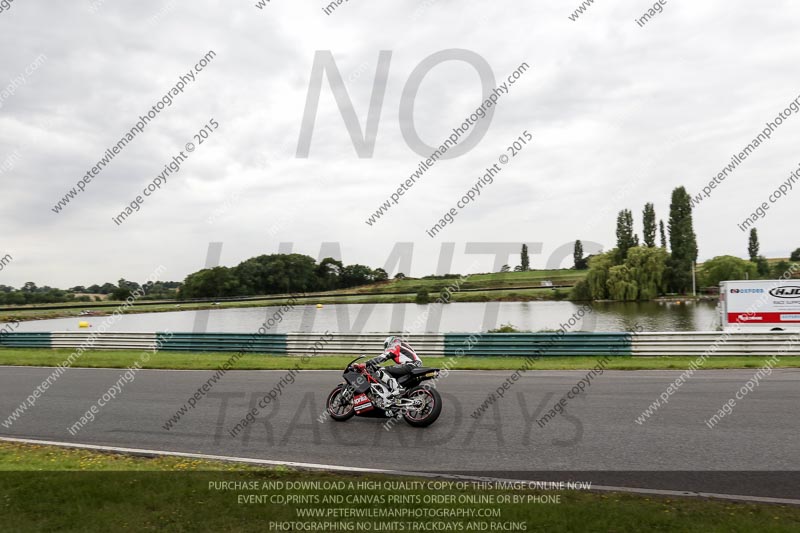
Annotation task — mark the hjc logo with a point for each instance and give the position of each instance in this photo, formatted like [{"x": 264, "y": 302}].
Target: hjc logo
[
  {"x": 364, "y": 141},
  {"x": 786, "y": 292}
]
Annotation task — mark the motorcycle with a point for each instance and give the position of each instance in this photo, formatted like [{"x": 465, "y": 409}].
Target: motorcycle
[{"x": 362, "y": 394}]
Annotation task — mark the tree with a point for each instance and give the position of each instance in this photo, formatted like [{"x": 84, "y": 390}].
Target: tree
[
  {"x": 356, "y": 275},
  {"x": 124, "y": 289},
  {"x": 328, "y": 272},
  {"x": 400, "y": 275},
  {"x": 274, "y": 274},
  {"x": 505, "y": 268},
  {"x": 646, "y": 267},
  {"x": 795, "y": 255},
  {"x": 626, "y": 238},
  {"x": 210, "y": 283},
  {"x": 682, "y": 241},
  {"x": 580, "y": 291},
  {"x": 281, "y": 273},
  {"x": 780, "y": 268},
  {"x": 581, "y": 262},
  {"x": 29, "y": 287},
  {"x": 640, "y": 277},
  {"x": 663, "y": 235},
  {"x": 752, "y": 246},
  {"x": 649, "y": 225},
  {"x": 107, "y": 288},
  {"x": 518, "y": 268},
  {"x": 725, "y": 268},
  {"x": 762, "y": 266},
  {"x": 524, "y": 259},
  {"x": 621, "y": 286},
  {"x": 597, "y": 277}
]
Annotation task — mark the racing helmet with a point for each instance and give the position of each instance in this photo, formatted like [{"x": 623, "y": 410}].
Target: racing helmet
[{"x": 388, "y": 340}]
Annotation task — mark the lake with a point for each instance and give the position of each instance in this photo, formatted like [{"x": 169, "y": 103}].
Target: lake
[{"x": 432, "y": 318}]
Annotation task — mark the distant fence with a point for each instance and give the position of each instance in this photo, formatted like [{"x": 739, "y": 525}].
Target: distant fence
[{"x": 440, "y": 344}]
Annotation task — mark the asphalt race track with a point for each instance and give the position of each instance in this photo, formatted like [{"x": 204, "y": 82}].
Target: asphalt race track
[{"x": 754, "y": 451}]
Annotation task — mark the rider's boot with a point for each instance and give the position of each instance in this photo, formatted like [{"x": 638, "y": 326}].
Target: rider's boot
[{"x": 394, "y": 387}]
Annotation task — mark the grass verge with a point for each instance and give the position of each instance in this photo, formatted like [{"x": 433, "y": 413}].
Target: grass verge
[
  {"x": 47, "y": 488},
  {"x": 212, "y": 360}
]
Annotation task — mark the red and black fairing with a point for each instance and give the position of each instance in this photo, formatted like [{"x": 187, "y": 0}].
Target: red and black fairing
[
  {"x": 361, "y": 379},
  {"x": 361, "y": 402}
]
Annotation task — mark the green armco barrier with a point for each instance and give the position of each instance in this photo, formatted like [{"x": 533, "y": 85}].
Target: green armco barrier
[
  {"x": 274, "y": 343},
  {"x": 25, "y": 339},
  {"x": 544, "y": 344}
]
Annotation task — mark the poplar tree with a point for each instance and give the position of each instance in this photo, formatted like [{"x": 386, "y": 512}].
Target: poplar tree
[
  {"x": 682, "y": 241},
  {"x": 577, "y": 255},
  {"x": 752, "y": 246},
  {"x": 626, "y": 238},
  {"x": 649, "y": 225}
]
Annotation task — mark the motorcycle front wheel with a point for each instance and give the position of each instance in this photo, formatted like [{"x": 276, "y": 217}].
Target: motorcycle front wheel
[{"x": 340, "y": 404}]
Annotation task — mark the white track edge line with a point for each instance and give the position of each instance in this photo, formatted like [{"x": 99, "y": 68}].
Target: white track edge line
[{"x": 362, "y": 470}]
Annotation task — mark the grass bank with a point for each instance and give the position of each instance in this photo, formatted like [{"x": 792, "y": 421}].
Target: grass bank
[
  {"x": 54, "y": 489},
  {"x": 212, "y": 360}
]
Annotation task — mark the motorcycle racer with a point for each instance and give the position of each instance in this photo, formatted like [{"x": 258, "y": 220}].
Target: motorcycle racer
[{"x": 401, "y": 352}]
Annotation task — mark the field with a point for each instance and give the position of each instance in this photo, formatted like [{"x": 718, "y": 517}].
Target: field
[{"x": 530, "y": 279}]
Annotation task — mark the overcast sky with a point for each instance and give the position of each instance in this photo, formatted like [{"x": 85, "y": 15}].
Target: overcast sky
[{"x": 620, "y": 115}]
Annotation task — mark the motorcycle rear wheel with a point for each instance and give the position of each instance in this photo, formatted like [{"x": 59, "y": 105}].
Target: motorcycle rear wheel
[{"x": 430, "y": 410}]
